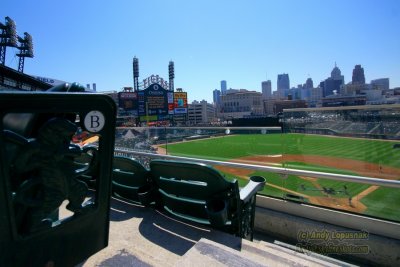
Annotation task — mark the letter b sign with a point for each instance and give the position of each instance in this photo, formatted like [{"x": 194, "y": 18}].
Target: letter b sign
[{"x": 94, "y": 121}]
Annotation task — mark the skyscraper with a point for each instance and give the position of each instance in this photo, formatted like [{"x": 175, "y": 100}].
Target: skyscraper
[
  {"x": 283, "y": 85},
  {"x": 358, "y": 75},
  {"x": 336, "y": 74},
  {"x": 330, "y": 87},
  {"x": 283, "y": 82},
  {"x": 217, "y": 97},
  {"x": 266, "y": 89},
  {"x": 309, "y": 84},
  {"x": 333, "y": 84},
  {"x": 223, "y": 87},
  {"x": 306, "y": 89}
]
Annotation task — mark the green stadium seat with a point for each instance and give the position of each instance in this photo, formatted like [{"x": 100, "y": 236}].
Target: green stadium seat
[
  {"x": 88, "y": 161},
  {"x": 198, "y": 193},
  {"x": 131, "y": 180}
]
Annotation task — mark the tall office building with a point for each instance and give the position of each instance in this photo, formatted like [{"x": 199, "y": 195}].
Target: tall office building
[
  {"x": 309, "y": 84},
  {"x": 217, "y": 97},
  {"x": 336, "y": 74},
  {"x": 382, "y": 84},
  {"x": 223, "y": 87},
  {"x": 358, "y": 75},
  {"x": 266, "y": 89},
  {"x": 333, "y": 85},
  {"x": 283, "y": 81},
  {"x": 330, "y": 87},
  {"x": 283, "y": 85}
]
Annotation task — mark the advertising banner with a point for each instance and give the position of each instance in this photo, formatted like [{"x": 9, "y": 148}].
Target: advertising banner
[
  {"x": 180, "y": 102},
  {"x": 128, "y": 100},
  {"x": 171, "y": 109},
  {"x": 150, "y": 118},
  {"x": 170, "y": 97},
  {"x": 153, "y": 101},
  {"x": 180, "y": 111}
]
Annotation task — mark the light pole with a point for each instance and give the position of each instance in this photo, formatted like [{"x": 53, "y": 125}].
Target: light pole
[
  {"x": 8, "y": 38},
  {"x": 136, "y": 74},
  {"x": 26, "y": 50}
]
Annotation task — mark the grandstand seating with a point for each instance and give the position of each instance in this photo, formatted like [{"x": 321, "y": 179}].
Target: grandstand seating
[
  {"x": 193, "y": 192},
  {"x": 130, "y": 179},
  {"x": 198, "y": 193}
]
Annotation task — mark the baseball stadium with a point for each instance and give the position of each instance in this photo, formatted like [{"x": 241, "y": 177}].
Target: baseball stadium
[
  {"x": 107, "y": 179},
  {"x": 331, "y": 172},
  {"x": 350, "y": 141},
  {"x": 326, "y": 170}
]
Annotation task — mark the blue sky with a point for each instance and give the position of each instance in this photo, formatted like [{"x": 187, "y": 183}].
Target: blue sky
[{"x": 242, "y": 42}]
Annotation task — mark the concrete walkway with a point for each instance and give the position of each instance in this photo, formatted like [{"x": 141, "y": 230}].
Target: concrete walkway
[{"x": 141, "y": 236}]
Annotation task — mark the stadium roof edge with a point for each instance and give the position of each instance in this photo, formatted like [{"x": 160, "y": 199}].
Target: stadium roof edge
[
  {"x": 22, "y": 77},
  {"x": 363, "y": 107}
]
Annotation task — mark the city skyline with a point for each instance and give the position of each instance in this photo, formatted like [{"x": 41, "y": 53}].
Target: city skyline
[{"x": 209, "y": 41}]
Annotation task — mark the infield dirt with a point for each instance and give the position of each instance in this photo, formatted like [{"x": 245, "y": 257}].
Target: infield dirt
[
  {"x": 358, "y": 167},
  {"x": 361, "y": 168}
]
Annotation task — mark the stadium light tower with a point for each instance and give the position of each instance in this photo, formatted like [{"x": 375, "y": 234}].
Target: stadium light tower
[
  {"x": 171, "y": 71},
  {"x": 26, "y": 50},
  {"x": 8, "y": 37},
  {"x": 136, "y": 74}
]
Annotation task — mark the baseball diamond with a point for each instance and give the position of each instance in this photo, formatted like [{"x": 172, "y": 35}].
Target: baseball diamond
[{"x": 340, "y": 155}]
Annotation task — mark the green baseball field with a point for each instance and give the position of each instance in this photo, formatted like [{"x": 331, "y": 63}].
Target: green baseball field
[{"x": 340, "y": 155}]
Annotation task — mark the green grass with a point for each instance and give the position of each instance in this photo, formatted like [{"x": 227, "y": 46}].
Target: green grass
[
  {"x": 229, "y": 147},
  {"x": 272, "y": 178},
  {"x": 373, "y": 151},
  {"x": 292, "y": 182},
  {"x": 381, "y": 203},
  {"x": 236, "y": 146},
  {"x": 352, "y": 189}
]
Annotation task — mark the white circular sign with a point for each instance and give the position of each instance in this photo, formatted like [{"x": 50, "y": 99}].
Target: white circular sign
[{"x": 94, "y": 121}]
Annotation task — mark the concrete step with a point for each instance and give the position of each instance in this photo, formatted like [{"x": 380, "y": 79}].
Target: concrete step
[
  {"x": 310, "y": 253},
  {"x": 209, "y": 253}
]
